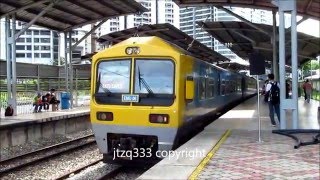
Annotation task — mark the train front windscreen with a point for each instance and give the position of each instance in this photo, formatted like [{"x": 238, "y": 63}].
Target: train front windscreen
[{"x": 153, "y": 82}]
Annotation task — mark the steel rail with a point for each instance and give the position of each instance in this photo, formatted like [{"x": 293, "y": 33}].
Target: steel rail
[
  {"x": 113, "y": 173},
  {"x": 66, "y": 175},
  {"x": 46, "y": 150}
]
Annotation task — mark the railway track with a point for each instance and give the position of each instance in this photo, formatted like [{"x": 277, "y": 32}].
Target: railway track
[
  {"x": 111, "y": 174},
  {"x": 12, "y": 164}
]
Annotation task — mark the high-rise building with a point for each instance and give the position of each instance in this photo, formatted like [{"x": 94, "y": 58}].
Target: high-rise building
[
  {"x": 41, "y": 46},
  {"x": 160, "y": 11},
  {"x": 189, "y": 16},
  {"x": 35, "y": 45}
]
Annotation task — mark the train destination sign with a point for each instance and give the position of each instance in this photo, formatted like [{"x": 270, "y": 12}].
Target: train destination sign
[{"x": 130, "y": 98}]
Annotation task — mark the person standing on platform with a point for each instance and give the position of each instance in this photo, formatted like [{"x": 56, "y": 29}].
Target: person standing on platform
[
  {"x": 308, "y": 89},
  {"x": 288, "y": 88},
  {"x": 273, "y": 93},
  {"x": 304, "y": 90}
]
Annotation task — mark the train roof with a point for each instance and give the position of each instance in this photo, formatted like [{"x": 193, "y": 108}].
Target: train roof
[
  {"x": 138, "y": 41},
  {"x": 170, "y": 34}
]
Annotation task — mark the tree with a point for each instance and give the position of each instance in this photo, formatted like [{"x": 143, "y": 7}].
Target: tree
[
  {"x": 56, "y": 63},
  {"x": 310, "y": 65}
]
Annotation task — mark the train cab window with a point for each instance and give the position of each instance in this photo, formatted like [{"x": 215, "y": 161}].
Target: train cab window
[
  {"x": 113, "y": 76},
  {"x": 154, "y": 76}
]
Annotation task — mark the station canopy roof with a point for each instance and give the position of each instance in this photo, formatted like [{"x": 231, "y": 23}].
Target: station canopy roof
[
  {"x": 243, "y": 40},
  {"x": 169, "y": 33},
  {"x": 306, "y": 8},
  {"x": 234, "y": 66},
  {"x": 68, "y": 14}
]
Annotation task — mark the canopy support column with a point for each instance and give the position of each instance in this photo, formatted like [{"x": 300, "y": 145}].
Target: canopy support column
[
  {"x": 288, "y": 104},
  {"x": 66, "y": 61},
  {"x": 275, "y": 62},
  {"x": 70, "y": 70},
  {"x": 14, "y": 66}
]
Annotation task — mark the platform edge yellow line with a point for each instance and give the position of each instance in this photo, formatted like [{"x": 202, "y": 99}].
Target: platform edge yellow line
[{"x": 211, "y": 153}]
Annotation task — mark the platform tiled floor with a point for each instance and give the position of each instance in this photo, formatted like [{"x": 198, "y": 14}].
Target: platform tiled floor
[{"x": 274, "y": 158}]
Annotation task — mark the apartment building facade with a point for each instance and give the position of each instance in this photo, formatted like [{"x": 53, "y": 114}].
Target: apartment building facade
[{"x": 189, "y": 16}]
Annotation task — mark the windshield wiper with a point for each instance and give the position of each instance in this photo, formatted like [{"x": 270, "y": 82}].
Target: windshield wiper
[
  {"x": 106, "y": 90},
  {"x": 145, "y": 84}
]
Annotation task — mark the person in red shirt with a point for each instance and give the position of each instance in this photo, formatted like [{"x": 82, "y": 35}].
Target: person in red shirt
[{"x": 307, "y": 86}]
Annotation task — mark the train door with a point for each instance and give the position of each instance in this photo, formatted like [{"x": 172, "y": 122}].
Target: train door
[
  {"x": 243, "y": 84},
  {"x": 219, "y": 84}
]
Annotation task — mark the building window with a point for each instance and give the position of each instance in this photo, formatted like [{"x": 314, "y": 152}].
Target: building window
[
  {"x": 20, "y": 40},
  {"x": 20, "y": 55},
  {"x": 36, "y": 40},
  {"x": 36, "y": 47},
  {"x": 28, "y": 39},
  {"x": 45, "y": 40},
  {"x": 45, "y": 47},
  {"x": 28, "y": 55},
  {"x": 45, "y": 32},
  {"x": 28, "y": 32},
  {"x": 45, "y": 55},
  {"x": 36, "y": 32},
  {"x": 19, "y": 47},
  {"x": 28, "y": 47},
  {"x": 36, "y": 55}
]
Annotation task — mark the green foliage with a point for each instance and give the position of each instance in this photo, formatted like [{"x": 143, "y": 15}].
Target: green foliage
[
  {"x": 312, "y": 64},
  {"x": 55, "y": 62},
  {"x": 315, "y": 95}
]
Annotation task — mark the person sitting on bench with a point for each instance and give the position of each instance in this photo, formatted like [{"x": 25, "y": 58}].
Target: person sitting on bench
[
  {"x": 45, "y": 101},
  {"x": 37, "y": 103}
]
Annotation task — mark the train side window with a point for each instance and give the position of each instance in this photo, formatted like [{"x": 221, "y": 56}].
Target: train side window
[
  {"x": 223, "y": 87},
  {"x": 202, "y": 88},
  {"x": 210, "y": 88},
  {"x": 239, "y": 85}
]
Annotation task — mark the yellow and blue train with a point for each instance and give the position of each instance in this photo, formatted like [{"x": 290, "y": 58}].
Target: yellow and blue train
[{"x": 148, "y": 93}]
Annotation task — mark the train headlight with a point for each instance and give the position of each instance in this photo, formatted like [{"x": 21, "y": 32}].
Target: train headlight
[
  {"x": 132, "y": 50},
  {"x": 105, "y": 116},
  {"x": 159, "y": 118}
]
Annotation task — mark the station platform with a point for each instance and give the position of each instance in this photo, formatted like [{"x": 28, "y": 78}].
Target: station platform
[
  {"x": 17, "y": 130},
  {"x": 229, "y": 148},
  {"x": 44, "y": 116}
]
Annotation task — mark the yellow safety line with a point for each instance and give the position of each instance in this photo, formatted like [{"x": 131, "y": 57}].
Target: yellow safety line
[{"x": 211, "y": 153}]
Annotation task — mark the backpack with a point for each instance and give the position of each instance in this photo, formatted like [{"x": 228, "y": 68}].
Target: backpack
[
  {"x": 274, "y": 93},
  {"x": 9, "y": 111}
]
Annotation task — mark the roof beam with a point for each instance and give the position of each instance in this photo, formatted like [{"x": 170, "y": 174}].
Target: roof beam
[
  {"x": 17, "y": 9},
  {"x": 114, "y": 8},
  {"x": 34, "y": 20},
  {"x": 299, "y": 22},
  {"x": 246, "y": 37},
  {"x": 304, "y": 40},
  {"x": 54, "y": 18},
  {"x": 60, "y": 8},
  {"x": 34, "y": 12},
  {"x": 223, "y": 29},
  {"x": 244, "y": 20},
  {"x": 308, "y": 5},
  {"x": 228, "y": 33},
  {"x": 87, "y": 34},
  {"x": 41, "y": 24},
  {"x": 86, "y": 7}
]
